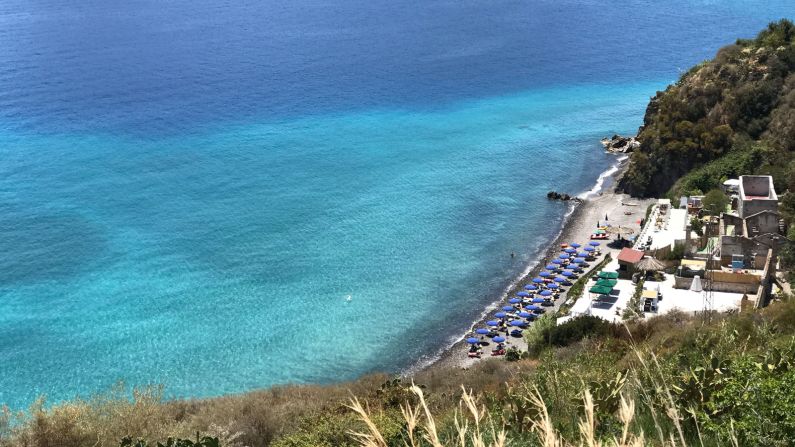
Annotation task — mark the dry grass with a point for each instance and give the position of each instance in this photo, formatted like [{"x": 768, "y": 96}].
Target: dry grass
[
  {"x": 439, "y": 413},
  {"x": 472, "y": 425},
  {"x": 255, "y": 418},
  {"x": 470, "y": 429},
  {"x": 474, "y": 428}
]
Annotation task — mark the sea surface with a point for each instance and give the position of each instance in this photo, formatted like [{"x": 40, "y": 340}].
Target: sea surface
[{"x": 218, "y": 196}]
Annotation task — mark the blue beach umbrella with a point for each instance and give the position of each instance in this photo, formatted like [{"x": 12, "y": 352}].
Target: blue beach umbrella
[
  {"x": 575, "y": 245},
  {"x": 578, "y": 260},
  {"x": 492, "y": 323},
  {"x": 530, "y": 287},
  {"x": 567, "y": 273},
  {"x": 589, "y": 249},
  {"x": 538, "y": 280},
  {"x": 514, "y": 300},
  {"x": 533, "y": 307},
  {"x": 543, "y": 274},
  {"x": 560, "y": 279},
  {"x": 594, "y": 244},
  {"x": 582, "y": 255},
  {"x": 557, "y": 261},
  {"x": 538, "y": 300},
  {"x": 508, "y": 308},
  {"x": 551, "y": 267},
  {"x": 518, "y": 323},
  {"x": 498, "y": 339},
  {"x": 571, "y": 267},
  {"x": 563, "y": 256},
  {"x": 522, "y": 294},
  {"x": 500, "y": 315},
  {"x": 473, "y": 341},
  {"x": 545, "y": 293},
  {"x": 525, "y": 314},
  {"x": 570, "y": 250},
  {"x": 482, "y": 331},
  {"x": 554, "y": 285}
]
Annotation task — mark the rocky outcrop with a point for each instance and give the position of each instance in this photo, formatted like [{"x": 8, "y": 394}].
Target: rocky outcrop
[
  {"x": 554, "y": 195},
  {"x": 620, "y": 145}
]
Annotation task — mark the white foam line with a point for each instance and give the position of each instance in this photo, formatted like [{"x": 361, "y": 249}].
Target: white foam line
[{"x": 597, "y": 187}]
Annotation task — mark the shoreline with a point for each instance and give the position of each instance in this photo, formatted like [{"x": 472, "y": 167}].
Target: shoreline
[{"x": 593, "y": 200}]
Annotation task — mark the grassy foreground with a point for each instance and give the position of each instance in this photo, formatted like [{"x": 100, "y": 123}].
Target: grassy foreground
[{"x": 672, "y": 380}]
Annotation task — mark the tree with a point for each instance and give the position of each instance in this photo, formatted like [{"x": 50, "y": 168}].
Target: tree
[
  {"x": 697, "y": 225},
  {"x": 715, "y": 202}
]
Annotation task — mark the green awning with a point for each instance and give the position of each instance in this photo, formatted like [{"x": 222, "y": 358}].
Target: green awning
[
  {"x": 601, "y": 290},
  {"x": 607, "y": 283},
  {"x": 608, "y": 275}
]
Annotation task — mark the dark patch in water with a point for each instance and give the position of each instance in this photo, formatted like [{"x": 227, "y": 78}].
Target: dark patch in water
[{"x": 41, "y": 247}]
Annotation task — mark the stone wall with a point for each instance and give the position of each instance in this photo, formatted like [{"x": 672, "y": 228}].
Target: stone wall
[
  {"x": 761, "y": 223},
  {"x": 768, "y": 274},
  {"x": 737, "y": 283}
]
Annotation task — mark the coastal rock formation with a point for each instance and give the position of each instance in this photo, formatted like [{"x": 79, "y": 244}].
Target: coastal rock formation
[
  {"x": 554, "y": 195},
  {"x": 619, "y": 144}
]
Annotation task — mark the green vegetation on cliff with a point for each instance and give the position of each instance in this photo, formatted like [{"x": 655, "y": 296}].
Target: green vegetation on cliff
[{"x": 729, "y": 116}]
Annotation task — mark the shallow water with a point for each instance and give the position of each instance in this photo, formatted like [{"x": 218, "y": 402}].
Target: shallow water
[{"x": 224, "y": 197}]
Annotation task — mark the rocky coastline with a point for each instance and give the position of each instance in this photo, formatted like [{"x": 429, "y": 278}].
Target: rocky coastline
[{"x": 618, "y": 144}]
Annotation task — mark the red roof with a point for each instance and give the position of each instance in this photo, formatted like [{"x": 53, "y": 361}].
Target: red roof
[{"x": 631, "y": 256}]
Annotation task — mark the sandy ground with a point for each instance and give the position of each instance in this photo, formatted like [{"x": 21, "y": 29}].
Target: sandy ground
[{"x": 578, "y": 228}]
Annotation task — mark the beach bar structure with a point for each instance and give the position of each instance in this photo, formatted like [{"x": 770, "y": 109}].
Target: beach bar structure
[{"x": 627, "y": 259}]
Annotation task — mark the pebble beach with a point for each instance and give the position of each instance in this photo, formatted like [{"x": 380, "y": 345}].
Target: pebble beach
[{"x": 620, "y": 209}]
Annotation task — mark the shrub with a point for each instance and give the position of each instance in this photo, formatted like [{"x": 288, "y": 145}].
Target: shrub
[
  {"x": 577, "y": 329},
  {"x": 513, "y": 355},
  {"x": 697, "y": 225}
]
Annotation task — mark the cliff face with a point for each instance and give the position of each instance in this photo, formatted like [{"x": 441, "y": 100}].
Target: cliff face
[{"x": 745, "y": 94}]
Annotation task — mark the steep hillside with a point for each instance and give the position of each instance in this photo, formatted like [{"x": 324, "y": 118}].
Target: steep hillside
[{"x": 738, "y": 108}]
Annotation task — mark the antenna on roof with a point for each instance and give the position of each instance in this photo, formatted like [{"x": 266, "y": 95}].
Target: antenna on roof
[{"x": 708, "y": 297}]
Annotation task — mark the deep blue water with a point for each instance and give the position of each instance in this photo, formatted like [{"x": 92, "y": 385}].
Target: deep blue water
[{"x": 189, "y": 190}]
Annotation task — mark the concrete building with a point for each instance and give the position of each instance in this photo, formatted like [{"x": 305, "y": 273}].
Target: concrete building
[
  {"x": 755, "y": 227},
  {"x": 756, "y": 194},
  {"x": 749, "y": 237}
]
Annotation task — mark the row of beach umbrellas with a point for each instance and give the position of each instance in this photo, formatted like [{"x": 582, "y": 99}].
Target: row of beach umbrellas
[{"x": 568, "y": 271}]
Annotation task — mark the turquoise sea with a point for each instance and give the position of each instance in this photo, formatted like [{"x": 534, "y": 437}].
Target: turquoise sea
[{"x": 221, "y": 196}]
